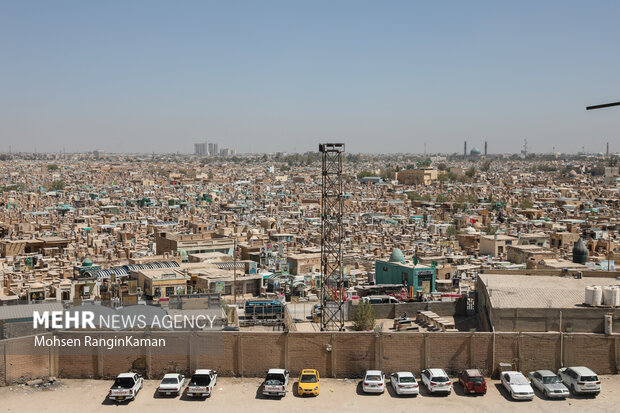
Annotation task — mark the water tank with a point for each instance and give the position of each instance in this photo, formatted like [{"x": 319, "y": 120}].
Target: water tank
[
  {"x": 591, "y": 292},
  {"x": 597, "y": 297},
  {"x": 614, "y": 296},
  {"x": 608, "y": 292}
]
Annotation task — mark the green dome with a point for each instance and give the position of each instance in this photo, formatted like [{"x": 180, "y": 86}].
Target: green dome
[
  {"x": 87, "y": 262},
  {"x": 475, "y": 151},
  {"x": 397, "y": 256}
]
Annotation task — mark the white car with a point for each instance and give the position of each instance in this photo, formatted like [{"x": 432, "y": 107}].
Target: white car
[
  {"x": 374, "y": 382},
  {"x": 436, "y": 381},
  {"x": 276, "y": 383},
  {"x": 517, "y": 385},
  {"x": 171, "y": 384},
  {"x": 404, "y": 382},
  {"x": 202, "y": 383},
  {"x": 126, "y": 387},
  {"x": 580, "y": 380}
]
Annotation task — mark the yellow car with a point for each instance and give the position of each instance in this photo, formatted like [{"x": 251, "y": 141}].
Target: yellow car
[{"x": 308, "y": 382}]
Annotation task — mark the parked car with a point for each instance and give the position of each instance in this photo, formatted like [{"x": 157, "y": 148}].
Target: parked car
[
  {"x": 276, "y": 382},
  {"x": 308, "y": 382},
  {"x": 172, "y": 383},
  {"x": 580, "y": 380},
  {"x": 374, "y": 381},
  {"x": 473, "y": 381},
  {"x": 549, "y": 384},
  {"x": 126, "y": 387},
  {"x": 517, "y": 385},
  {"x": 436, "y": 381},
  {"x": 404, "y": 382},
  {"x": 380, "y": 299},
  {"x": 202, "y": 383}
]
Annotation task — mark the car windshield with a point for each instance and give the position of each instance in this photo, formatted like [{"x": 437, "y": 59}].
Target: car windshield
[
  {"x": 440, "y": 379},
  {"x": 200, "y": 380},
  {"x": 407, "y": 379},
  {"x": 518, "y": 380},
  {"x": 123, "y": 383},
  {"x": 308, "y": 378},
  {"x": 550, "y": 380},
  {"x": 169, "y": 380},
  {"x": 373, "y": 377},
  {"x": 274, "y": 379},
  {"x": 589, "y": 378}
]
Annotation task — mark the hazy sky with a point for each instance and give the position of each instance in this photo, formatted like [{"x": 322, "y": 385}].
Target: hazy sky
[{"x": 261, "y": 76}]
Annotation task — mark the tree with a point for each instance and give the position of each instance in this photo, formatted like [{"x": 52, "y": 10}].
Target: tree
[
  {"x": 486, "y": 166},
  {"x": 52, "y": 167},
  {"x": 58, "y": 185},
  {"x": 364, "y": 317},
  {"x": 442, "y": 166},
  {"x": 414, "y": 196},
  {"x": 526, "y": 203},
  {"x": 452, "y": 231},
  {"x": 471, "y": 172},
  {"x": 364, "y": 174},
  {"x": 489, "y": 230}
]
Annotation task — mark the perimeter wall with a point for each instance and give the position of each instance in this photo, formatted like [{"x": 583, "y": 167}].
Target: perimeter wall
[{"x": 345, "y": 354}]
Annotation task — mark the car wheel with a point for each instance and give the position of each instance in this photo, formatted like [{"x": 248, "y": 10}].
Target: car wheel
[{"x": 546, "y": 393}]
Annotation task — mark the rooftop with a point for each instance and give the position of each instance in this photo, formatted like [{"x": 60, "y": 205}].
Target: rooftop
[{"x": 527, "y": 291}]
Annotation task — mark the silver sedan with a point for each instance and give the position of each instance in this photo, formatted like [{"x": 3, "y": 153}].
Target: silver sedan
[{"x": 547, "y": 382}]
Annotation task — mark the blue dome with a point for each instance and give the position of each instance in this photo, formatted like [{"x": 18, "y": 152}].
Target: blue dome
[{"x": 397, "y": 256}]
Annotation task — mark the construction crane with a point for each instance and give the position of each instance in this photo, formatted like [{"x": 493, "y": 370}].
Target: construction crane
[{"x": 604, "y": 105}]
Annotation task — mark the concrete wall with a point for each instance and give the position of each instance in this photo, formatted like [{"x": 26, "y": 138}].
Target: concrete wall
[
  {"x": 16, "y": 329},
  {"x": 578, "y": 320},
  {"x": 334, "y": 354}
]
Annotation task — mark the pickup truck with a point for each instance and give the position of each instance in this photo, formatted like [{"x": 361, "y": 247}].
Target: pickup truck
[
  {"x": 125, "y": 387},
  {"x": 202, "y": 382},
  {"x": 276, "y": 382}
]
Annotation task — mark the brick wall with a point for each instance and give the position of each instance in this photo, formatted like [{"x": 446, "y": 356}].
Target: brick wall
[
  {"x": 23, "y": 361},
  {"x": 333, "y": 354}
]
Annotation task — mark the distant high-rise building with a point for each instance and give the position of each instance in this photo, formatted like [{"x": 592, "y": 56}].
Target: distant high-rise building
[
  {"x": 200, "y": 149},
  {"x": 213, "y": 149}
]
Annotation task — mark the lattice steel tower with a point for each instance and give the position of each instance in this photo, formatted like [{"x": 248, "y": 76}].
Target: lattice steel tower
[{"x": 332, "y": 205}]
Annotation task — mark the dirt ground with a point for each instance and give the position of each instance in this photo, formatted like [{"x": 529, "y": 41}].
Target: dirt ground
[{"x": 241, "y": 395}]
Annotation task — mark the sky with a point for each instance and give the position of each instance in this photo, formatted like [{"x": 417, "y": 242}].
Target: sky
[{"x": 265, "y": 76}]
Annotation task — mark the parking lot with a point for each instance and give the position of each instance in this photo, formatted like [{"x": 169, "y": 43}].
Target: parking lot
[{"x": 241, "y": 395}]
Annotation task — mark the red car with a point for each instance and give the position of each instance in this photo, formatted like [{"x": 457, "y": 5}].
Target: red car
[{"x": 473, "y": 381}]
